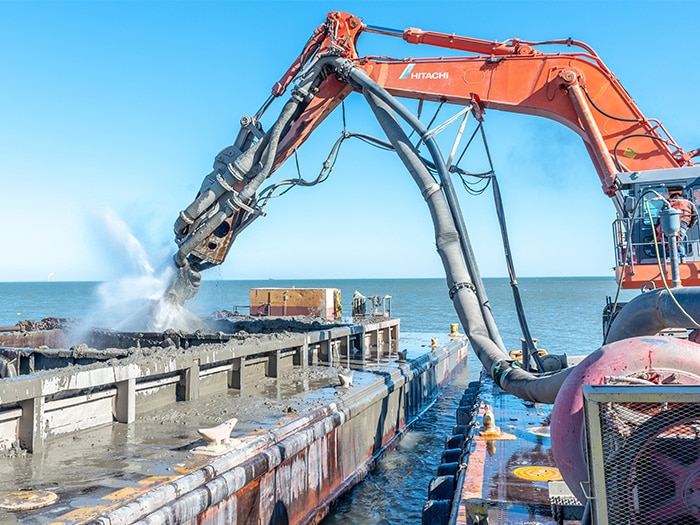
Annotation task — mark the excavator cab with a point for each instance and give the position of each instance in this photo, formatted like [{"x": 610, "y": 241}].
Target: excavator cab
[{"x": 639, "y": 248}]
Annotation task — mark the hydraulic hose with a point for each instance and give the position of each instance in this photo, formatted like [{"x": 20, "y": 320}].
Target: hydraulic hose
[
  {"x": 529, "y": 350},
  {"x": 245, "y": 164},
  {"x": 651, "y": 312},
  {"x": 360, "y": 78},
  {"x": 467, "y": 305}
]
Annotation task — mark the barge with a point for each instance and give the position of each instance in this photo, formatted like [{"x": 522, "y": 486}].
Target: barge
[
  {"x": 116, "y": 434},
  {"x": 498, "y": 466},
  {"x": 627, "y": 428}
]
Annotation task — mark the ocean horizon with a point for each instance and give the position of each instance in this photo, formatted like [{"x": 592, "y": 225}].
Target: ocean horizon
[{"x": 561, "y": 311}]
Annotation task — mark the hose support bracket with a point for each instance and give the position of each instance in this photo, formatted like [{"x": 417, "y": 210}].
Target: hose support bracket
[
  {"x": 456, "y": 287},
  {"x": 223, "y": 182},
  {"x": 235, "y": 203}
]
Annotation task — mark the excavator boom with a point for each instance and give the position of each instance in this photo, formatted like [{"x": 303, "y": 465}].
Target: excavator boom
[
  {"x": 635, "y": 158},
  {"x": 573, "y": 87}
]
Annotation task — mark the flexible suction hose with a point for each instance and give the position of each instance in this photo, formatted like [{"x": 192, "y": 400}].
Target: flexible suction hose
[
  {"x": 467, "y": 305},
  {"x": 359, "y": 78}
]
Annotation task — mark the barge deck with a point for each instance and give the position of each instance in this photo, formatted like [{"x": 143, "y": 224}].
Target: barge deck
[
  {"x": 498, "y": 466},
  {"x": 116, "y": 441}
]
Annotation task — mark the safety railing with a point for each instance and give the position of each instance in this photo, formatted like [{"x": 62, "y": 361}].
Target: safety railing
[{"x": 640, "y": 247}]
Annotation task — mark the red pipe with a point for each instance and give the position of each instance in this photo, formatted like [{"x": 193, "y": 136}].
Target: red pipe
[{"x": 628, "y": 357}]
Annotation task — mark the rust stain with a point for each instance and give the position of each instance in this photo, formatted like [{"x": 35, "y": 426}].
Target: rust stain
[
  {"x": 474, "y": 476},
  {"x": 472, "y": 506},
  {"x": 248, "y": 502}
]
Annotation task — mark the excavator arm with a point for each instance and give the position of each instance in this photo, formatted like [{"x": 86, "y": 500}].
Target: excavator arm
[
  {"x": 633, "y": 155},
  {"x": 573, "y": 87}
]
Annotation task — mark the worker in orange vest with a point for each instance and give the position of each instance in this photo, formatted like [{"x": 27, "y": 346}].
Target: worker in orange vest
[{"x": 689, "y": 216}]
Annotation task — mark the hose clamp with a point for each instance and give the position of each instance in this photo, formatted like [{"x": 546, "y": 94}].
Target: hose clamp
[
  {"x": 235, "y": 203},
  {"x": 428, "y": 192},
  {"x": 500, "y": 369},
  {"x": 456, "y": 287},
  {"x": 343, "y": 68},
  {"x": 223, "y": 182}
]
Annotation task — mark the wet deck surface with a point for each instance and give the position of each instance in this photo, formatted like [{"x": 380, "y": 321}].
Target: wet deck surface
[
  {"x": 507, "y": 478},
  {"x": 100, "y": 469}
]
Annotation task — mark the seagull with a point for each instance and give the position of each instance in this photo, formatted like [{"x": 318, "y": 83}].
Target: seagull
[
  {"x": 346, "y": 380},
  {"x": 219, "y": 434}
]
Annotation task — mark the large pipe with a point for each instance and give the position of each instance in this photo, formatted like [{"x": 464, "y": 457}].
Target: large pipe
[
  {"x": 469, "y": 309},
  {"x": 651, "y": 312},
  {"x": 361, "y": 79},
  {"x": 628, "y": 358}
]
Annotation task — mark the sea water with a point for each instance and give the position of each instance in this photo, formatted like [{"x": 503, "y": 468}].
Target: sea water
[{"x": 564, "y": 314}]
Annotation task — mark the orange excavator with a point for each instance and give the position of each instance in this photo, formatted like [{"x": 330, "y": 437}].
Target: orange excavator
[
  {"x": 635, "y": 158},
  {"x": 631, "y": 153}
]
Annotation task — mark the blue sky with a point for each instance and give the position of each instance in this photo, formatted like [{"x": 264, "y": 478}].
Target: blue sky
[{"x": 111, "y": 113}]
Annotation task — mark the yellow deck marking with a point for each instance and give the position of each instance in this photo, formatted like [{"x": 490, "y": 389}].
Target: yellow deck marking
[
  {"x": 82, "y": 515},
  {"x": 497, "y": 436},
  {"x": 145, "y": 485},
  {"x": 27, "y": 500},
  {"x": 538, "y": 473},
  {"x": 115, "y": 499},
  {"x": 122, "y": 496}
]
